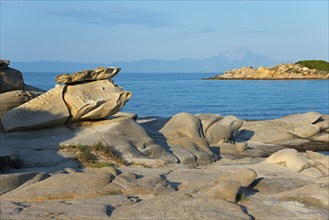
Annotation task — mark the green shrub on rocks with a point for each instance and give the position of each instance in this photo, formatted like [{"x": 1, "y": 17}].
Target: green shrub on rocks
[
  {"x": 315, "y": 64},
  {"x": 96, "y": 155}
]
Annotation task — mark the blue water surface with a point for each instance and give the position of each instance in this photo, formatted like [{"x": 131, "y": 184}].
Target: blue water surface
[{"x": 170, "y": 93}]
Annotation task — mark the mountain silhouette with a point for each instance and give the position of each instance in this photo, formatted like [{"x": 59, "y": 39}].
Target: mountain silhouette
[{"x": 227, "y": 60}]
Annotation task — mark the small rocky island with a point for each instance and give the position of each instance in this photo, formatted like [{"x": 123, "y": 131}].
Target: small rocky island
[
  {"x": 299, "y": 70},
  {"x": 69, "y": 153}
]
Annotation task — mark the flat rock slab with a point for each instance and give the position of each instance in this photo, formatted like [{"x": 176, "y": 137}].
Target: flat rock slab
[
  {"x": 181, "y": 206},
  {"x": 122, "y": 133},
  {"x": 291, "y": 127},
  {"x": 62, "y": 187},
  {"x": 46, "y": 110}
]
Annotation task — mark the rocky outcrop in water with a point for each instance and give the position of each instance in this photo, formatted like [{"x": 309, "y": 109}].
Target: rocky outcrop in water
[
  {"x": 78, "y": 100},
  {"x": 280, "y": 72}
]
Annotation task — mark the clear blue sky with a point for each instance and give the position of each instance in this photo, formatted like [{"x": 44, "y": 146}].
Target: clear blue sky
[{"x": 106, "y": 31}]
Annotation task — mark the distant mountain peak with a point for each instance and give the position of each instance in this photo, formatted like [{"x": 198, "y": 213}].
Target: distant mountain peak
[
  {"x": 237, "y": 53},
  {"x": 234, "y": 58}
]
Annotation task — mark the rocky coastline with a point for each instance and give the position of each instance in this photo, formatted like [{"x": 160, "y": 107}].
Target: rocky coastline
[
  {"x": 279, "y": 72},
  {"x": 69, "y": 153}
]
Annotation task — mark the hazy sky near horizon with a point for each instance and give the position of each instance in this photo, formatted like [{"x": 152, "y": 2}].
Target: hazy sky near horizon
[{"x": 107, "y": 31}]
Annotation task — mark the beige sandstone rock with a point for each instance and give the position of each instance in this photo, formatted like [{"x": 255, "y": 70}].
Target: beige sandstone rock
[
  {"x": 9, "y": 182},
  {"x": 283, "y": 129},
  {"x": 207, "y": 120},
  {"x": 223, "y": 130},
  {"x": 94, "y": 100},
  {"x": 226, "y": 190},
  {"x": 185, "y": 136},
  {"x": 99, "y": 73},
  {"x": 290, "y": 158},
  {"x": 181, "y": 206},
  {"x": 46, "y": 110},
  {"x": 77, "y": 186}
]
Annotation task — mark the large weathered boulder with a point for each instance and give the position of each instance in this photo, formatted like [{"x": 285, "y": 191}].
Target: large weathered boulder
[
  {"x": 48, "y": 109},
  {"x": 81, "y": 98},
  {"x": 207, "y": 120},
  {"x": 185, "y": 137},
  {"x": 88, "y": 75},
  {"x": 94, "y": 100},
  {"x": 223, "y": 130},
  {"x": 10, "y": 79}
]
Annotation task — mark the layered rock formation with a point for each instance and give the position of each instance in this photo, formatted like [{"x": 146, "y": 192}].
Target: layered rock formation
[
  {"x": 13, "y": 90},
  {"x": 85, "y": 95},
  {"x": 280, "y": 72}
]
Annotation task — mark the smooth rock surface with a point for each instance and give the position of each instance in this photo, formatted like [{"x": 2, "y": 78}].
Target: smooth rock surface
[
  {"x": 185, "y": 137},
  {"x": 292, "y": 127},
  {"x": 46, "y": 110},
  {"x": 99, "y": 73},
  {"x": 223, "y": 130},
  {"x": 94, "y": 100}
]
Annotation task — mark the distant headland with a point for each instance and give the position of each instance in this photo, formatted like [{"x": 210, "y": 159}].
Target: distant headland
[{"x": 307, "y": 69}]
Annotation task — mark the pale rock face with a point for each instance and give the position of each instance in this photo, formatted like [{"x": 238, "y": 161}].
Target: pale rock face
[
  {"x": 290, "y": 158},
  {"x": 126, "y": 136},
  {"x": 223, "y": 130},
  {"x": 99, "y": 73},
  {"x": 226, "y": 190},
  {"x": 316, "y": 194},
  {"x": 94, "y": 100},
  {"x": 284, "y": 129},
  {"x": 181, "y": 206},
  {"x": 185, "y": 137},
  {"x": 301, "y": 119},
  {"x": 183, "y": 125},
  {"x": 77, "y": 186},
  {"x": 208, "y": 120},
  {"x": 68, "y": 103},
  {"x": 306, "y": 131},
  {"x": 46, "y": 110}
]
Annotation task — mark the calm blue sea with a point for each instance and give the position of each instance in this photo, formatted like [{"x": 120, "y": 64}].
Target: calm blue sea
[{"x": 167, "y": 94}]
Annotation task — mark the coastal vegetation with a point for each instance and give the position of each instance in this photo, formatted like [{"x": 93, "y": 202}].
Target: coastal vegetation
[
  {"x": 315, "y": 64},
  {"x": 308, "y": 69},
  {"x": 97, "y": 155}
]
